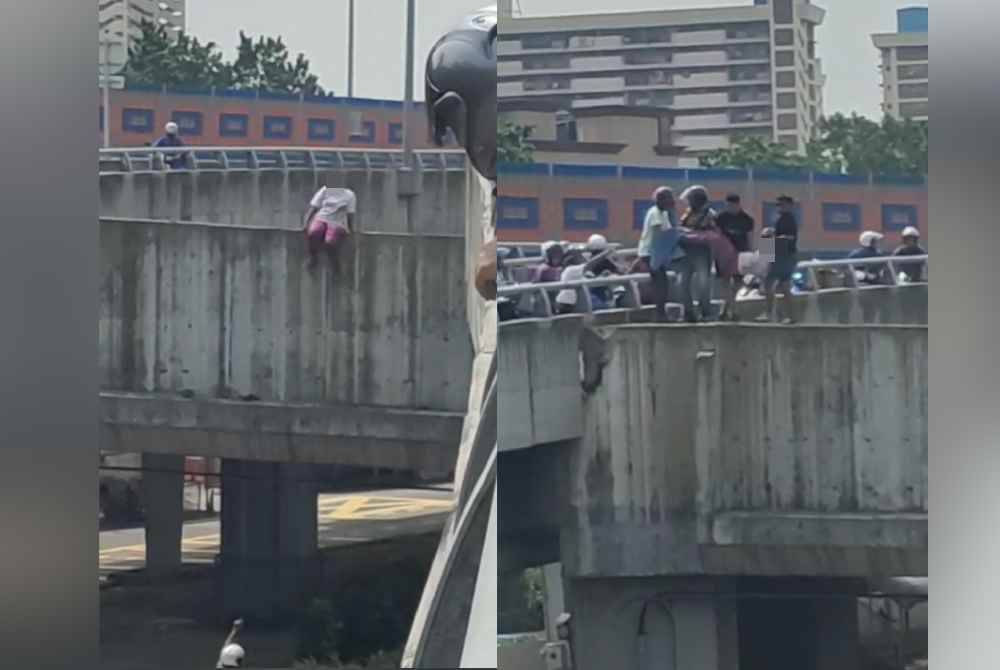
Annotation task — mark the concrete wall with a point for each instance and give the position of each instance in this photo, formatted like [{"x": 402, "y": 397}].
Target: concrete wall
[
  {"x": 754, "y": 450},
  {"x": 279, "y": 198},
  {"x": 226, "y": 311}
]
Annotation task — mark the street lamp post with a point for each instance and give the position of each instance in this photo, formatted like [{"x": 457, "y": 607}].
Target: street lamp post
[
  {"x": 106, "y": 92},
  {"x": 350, "y": 48},
  {"x": 408, "y": 102}
]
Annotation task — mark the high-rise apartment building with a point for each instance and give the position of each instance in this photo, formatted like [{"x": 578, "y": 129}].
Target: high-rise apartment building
[
  {"x": 120, "y": 21},
  {"x": 904, "y": 65},
  {"x": 725, "y": 73}
]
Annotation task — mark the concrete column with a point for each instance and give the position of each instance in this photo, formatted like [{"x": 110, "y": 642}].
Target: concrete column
[
  {"x": 163, "y": 500},
  {"x": 625, "y": 624},
  {"x": 270, "y": 546}
]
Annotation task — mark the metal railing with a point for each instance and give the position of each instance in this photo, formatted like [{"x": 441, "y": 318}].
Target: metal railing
[
  {"x": 154, "y": 159},
  {"x": 539, "y": 301}
]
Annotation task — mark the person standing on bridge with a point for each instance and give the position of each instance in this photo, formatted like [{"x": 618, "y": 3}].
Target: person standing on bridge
[
  {"x": 328, "y": 219},
  {"x": 658, "y": 248},
  {"x": 912, "y": 271},
  {"x": 785, "y": 234},
  {"x": 171, "y": 138},
  {"x": 737, "y": 226}
]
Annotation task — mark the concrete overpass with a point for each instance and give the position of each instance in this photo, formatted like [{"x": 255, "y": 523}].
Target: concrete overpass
[
  {"x": 216, "y": 340},
  {"x": 714, "y": 491}
]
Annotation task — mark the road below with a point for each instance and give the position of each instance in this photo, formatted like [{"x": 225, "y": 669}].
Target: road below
[{"x": 343, "y": 519}]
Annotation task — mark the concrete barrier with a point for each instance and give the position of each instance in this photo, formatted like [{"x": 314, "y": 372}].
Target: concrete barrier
[
  {"x": 229, "y": 312},
  {"x": 279, "y": 198},
  {"x": 754, "y": 450}
]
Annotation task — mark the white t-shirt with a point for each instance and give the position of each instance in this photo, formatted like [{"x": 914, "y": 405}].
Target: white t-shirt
[
  {"x": 568, "y": 296},
  {"x": 334, "y": 204}
]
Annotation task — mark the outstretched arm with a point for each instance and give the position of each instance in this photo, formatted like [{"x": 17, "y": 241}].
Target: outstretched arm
[{"x": 233, "y": 632}]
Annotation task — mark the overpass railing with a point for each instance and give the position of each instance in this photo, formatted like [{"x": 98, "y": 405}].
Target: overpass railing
[
  {"x": 154, "y": 159},
  {"x": 539, "y": 301}
]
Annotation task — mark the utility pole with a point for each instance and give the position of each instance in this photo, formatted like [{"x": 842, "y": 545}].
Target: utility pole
[
  {"x": 350, "y": 48},
  {"x": 408, "y": 102}
]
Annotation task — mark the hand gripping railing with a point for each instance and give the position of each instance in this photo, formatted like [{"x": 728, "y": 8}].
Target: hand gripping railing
[{"x": 153, "y": 159}]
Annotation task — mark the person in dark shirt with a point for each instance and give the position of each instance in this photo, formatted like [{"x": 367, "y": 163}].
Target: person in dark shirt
[
  {"x": 737, "y": 226},
  {"x": 868, "y": 248},
  {"x": 912, "y": 271},
  {"x": 785, "y": 233},
  {"x": 170, "y": 138}
]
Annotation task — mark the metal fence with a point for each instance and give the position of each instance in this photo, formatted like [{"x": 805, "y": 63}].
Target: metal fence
[
  {"x": 535, "y": 298},
  {"x": 194, "y": 158}
]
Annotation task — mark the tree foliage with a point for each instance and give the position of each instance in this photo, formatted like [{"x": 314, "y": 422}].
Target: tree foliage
[
  {"x": 513, "y": 145},
  {"x": 843, "y": 145},
  {"x": 157, "y": 59}
]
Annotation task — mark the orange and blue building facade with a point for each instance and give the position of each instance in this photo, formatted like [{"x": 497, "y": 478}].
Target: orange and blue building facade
[
  {"x": 539, "y": 202},
  {"x": 137, "y": 116}
]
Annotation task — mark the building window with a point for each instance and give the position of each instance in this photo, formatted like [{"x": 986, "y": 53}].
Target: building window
[
  {"x": 787, "y": 122},
  {"x": 783, "y": 13},
  {"x": 748, "y": 52},
  {"x": 639, "y": 210},
  {"x": 322, "y": 130},
  {"x": 645, "y": 57},
  {"x": 909, "y": 54},
  {"x": 366, "y": 134},
  {"x": 547, "y": 83},
  {"x": 897, "y": 217},
  {"x": 784, "y": 58},
  {"x": 647, "y": 36},
  {"x": 910, "y": 109},
  {"x": 517, "y": 213},
  {"x": 912, "y": 91},
  {"x": 654, "y": 78},
  {"x": 749, "y": 116},
  {"x": 395, "y": 133},
  {"x": 585, "y": 214},
  {"x": 787, "y": 101},
  {"x": 905, "y": 72},
  {"x": 840, "y": 217},
  {"x": 234, "y": 125},
  {"x": 790, "y": 141},
  {"x": 188, "y": 123},
  {"x": 555, "y": 62},
  {"x": 137, "y": 120},
  {"x": 784, "y": 37},
  {"x": 785, "y": 79},
  {"x": 277, "y": 127},
  {"x": 749, "y": 73},
  {"x": 546, "y": 41},
  {"x": 750, "y": 95}
]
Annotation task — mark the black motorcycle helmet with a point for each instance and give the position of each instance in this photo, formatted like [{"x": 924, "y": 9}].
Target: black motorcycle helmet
[{"x": 461, "y": 89}]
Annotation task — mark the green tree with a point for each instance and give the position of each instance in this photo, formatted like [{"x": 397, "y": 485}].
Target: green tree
[
  {"x": 263, "y": 65},
  {"x": 156, "y": 59},
  {"x": 843, "y": 145},
  {"x": 513, "y": 145},
  {"x": 755, "y": 152}
]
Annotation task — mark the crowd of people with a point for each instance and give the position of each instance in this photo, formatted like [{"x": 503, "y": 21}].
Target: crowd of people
[{"x": 683, "y": 239}]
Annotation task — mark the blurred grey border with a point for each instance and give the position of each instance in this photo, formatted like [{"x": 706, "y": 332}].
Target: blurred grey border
[
  {"x": 48, "y": 334},
  {"x": 965, "y": 337}
]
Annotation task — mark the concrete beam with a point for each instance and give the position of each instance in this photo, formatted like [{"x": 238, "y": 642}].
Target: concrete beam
[
  {"x": 817, "y": 529},
  {"x": 336, "y": 434}
]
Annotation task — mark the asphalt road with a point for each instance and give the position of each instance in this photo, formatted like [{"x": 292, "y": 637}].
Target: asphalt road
[{"x": 343, "y": 519}]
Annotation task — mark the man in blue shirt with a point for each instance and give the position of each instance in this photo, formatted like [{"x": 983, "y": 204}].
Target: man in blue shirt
[{"x": 171, "y": 139}]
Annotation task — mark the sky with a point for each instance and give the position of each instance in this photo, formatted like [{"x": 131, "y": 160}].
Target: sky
[{"x": 318, "y": 29}]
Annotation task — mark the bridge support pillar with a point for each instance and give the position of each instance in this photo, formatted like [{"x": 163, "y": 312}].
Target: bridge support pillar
[
  {"x": 270, "y": 548},
  {"x": 163, "y": 500}
]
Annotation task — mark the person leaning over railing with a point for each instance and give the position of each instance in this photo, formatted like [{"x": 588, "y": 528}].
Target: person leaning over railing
[{"x": 578, "y": 267}]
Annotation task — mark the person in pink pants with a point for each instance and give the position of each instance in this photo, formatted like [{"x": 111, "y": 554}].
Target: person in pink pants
[{"x": 328, "y": 220}]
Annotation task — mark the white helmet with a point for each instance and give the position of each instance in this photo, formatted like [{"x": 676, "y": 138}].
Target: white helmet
[
  {"x": 231, "y": 656},
  {"x": 911, "y": 231},
  {"x": 869, "y": 237},
  {"x": 597, "y": 243},
  {"x": 171, "y": 128}
]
